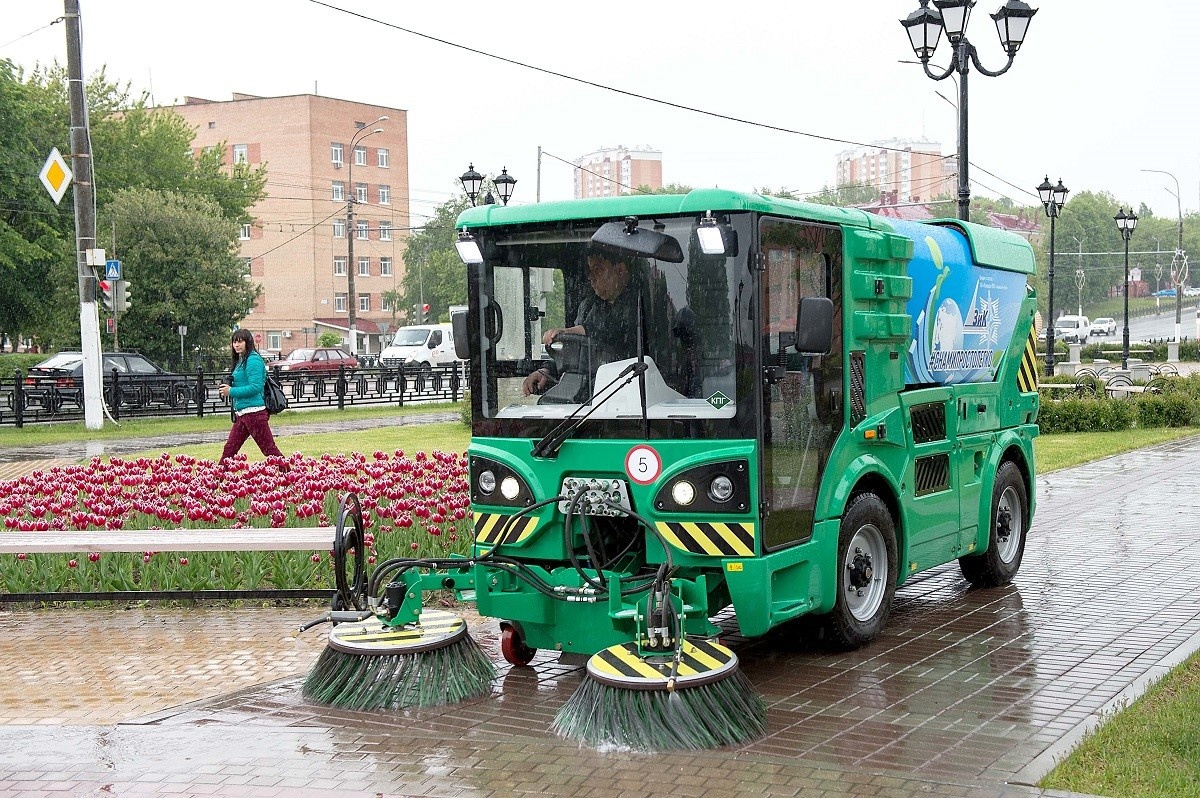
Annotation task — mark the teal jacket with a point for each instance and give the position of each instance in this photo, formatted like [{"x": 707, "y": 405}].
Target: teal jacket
[{"x": 249, "y": 378}]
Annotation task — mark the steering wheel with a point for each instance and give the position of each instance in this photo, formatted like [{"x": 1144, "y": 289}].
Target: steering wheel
[{"x": 570, "y": 352}]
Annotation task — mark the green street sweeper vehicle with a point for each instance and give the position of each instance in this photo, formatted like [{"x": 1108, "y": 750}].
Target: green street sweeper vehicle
[
  {"x": 686, "y": 404},
  {"x": 817, "y": 403}
]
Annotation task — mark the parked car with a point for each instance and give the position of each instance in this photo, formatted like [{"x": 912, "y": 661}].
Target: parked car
[
  {"x": 1104, "y": 326},
  {"x": 58, "y": 380},
  {"x": 420, "y": 346},
  {"x": 317, "y": 359},
  {"x": 1190, "y": 291},
  {"x": 1167, "y": 292},
  {"x": 1072, "y": 329}
]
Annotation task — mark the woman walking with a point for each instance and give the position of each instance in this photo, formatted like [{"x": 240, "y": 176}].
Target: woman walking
[{"x": 250, "y": 418}]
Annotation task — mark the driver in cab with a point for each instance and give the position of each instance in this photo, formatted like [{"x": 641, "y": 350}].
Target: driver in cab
[{"x": 608, "y": 319}]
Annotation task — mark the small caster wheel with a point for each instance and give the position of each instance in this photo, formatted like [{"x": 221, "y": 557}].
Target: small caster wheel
[{"x": 512, "y": 646}]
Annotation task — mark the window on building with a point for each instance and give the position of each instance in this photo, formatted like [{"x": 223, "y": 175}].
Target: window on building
[
  {"x": 385, "y": 195},
  {"x": 360, "y": 155},
  {"x": 339, "y": 303},
  {"x": 241, "y": 153},
  {"x": 339, "y": 267},
  {"x": 339, "y": 191},
  {"x": 212, "y": 125},
  {"x": 360, "y": 192},
  {"x": 274, "y": 339},
  {"x": 385, "y": 231},
  {"x": 364, "y": 303},
  {"x": 361, "y": 227},
  {"x": 385, "y": 302},
  {"x": 339, "y": 228},
  {"x": 364, "y": 267},
  {"x": 335, "y": 154},
  {"x": 244, "y": 233},
  {"x": 382, "y": 157},
  {"x": 246, "y": 267},
  {"x": 385, "y": 268}
]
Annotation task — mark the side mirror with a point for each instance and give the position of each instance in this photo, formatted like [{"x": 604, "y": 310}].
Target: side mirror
[
  {"x": 814, "y": 326},
  {"x": 458, "y": 323}
]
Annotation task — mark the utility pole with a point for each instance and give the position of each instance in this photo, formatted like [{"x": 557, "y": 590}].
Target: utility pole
[{"x": 85, "y": 222}]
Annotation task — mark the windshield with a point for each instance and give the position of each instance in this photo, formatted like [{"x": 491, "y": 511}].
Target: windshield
[
  {"x": 539, "y": 282},
  {"x": 1067, "y": 324},
  {"x": 63, "y": 360},
  {"x": 410, "y": 336}
]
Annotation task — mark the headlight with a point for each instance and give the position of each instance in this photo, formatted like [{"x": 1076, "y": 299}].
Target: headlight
[
  {"x": 487, "y": 482},
  {"x": 509, "y": 488},
  {"x": 683, "y": 492},
  {"x": 720, "y": 489}
]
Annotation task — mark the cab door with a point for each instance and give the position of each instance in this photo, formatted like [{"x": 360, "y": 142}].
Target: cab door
[{"x": 801, "y": 394}]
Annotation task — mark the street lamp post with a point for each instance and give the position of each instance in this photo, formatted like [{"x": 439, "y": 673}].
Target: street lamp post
[
  {"x": 1126, "y": 224},
  {"x": 1053, "y": 198},
  {"x": 924, "y": 27},
  {"x": 351, "y": 266},
  {"x": 473, "y": 183},
  {"x": 1179, "y": 267}
]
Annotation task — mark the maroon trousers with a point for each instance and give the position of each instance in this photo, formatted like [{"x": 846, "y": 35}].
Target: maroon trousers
[{"x": 251, "y": 425}]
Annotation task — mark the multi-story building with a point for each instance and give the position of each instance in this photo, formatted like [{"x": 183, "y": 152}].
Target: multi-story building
[
  {"x": 298, "y": 247},
  {"x": 617, "y": 170},
  {"x": 912, "y": 170}
]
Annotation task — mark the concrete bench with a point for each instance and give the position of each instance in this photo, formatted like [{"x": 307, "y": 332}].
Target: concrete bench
[{"x": 65, "y": 541}]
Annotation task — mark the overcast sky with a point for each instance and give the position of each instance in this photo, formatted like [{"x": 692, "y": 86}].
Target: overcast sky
[{"x": 1100, "y": 91}]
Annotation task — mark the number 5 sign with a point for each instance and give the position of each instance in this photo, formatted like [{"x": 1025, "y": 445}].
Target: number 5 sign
[{"x": 643, "y": 465}]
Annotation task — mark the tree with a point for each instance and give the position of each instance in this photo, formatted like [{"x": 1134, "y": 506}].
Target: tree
[
  {"x": 393, "y": 297},
  {"x": 133, "y": 146},
  {"x": 179, "y": 255},
  {"x": 433, "y": 272},
  {"x": 843, "y": 195},
  {"x": 330, "y": 338}
]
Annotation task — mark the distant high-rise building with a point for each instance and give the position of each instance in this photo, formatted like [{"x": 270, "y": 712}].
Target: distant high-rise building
[
  {"x": 617, "y": 170},
  {"x": 910, "y": 170},
  {"x": 296, "y": 245}
]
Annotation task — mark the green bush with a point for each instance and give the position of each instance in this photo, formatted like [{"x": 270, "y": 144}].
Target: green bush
[
  {"x": 1164, "y": 410},
  {"x": 11, "y": 361},
  {"x": 1085, "y": 415}
]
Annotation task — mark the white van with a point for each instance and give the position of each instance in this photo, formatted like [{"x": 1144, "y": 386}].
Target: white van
[
  {"x": 1072, "y": 329},
  {"x": 420, "y": 346}
]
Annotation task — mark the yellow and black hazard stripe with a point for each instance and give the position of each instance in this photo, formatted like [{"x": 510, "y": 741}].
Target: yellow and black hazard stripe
[
  {"x": 434, "y": 629},
  {"x": 493, "y": 528},
  {"x": 1027, "y": 376},
  {"x": 700, "y": 662},
  {"x": 710, "y": 537}
]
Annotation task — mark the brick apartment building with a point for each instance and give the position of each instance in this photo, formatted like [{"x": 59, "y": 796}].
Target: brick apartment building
[
  {"x": 912, "y": 170},
  {"x": 297, "y": 246},
  {"x": 617, "y": 170}
]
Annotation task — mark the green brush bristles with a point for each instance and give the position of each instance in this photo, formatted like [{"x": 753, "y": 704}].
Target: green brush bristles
[
  {"x": 724, "y": 712},
  {"x": 444, "y": 675}
]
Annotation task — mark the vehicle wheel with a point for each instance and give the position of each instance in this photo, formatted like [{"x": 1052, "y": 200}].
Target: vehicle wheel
[
  {"x": 1006, "y": 538},
  {"x": 512, "y": 645},
  {"x": 866, "y": 582}
]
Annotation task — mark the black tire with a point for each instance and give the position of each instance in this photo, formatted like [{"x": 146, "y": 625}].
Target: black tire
[
  {"x": 866, "y": 581},
  {"x": 1006, "y": 538}
]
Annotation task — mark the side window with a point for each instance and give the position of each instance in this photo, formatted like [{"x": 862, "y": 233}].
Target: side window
[
  {"x": 115, "y": 362},
  {"x": 435, "y": 339},
  {"x": 139, "y": 365}
]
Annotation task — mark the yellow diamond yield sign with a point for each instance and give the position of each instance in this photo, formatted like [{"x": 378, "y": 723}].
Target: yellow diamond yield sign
[{"x": 56, "y": 175}]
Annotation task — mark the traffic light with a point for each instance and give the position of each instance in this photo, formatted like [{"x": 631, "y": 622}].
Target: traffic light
[
  {"x": 122, "y": 296},
  {"x": 425, "y": 313},
  {"x": 106, "y": 294},
  {"x": 421, "y": 313}
]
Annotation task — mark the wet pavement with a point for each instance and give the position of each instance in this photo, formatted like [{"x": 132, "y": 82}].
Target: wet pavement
[{"x": 972, "y": 693}]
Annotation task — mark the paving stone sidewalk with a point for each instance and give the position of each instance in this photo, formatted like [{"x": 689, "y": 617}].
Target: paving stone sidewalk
[{"x": 972, "y": 693}]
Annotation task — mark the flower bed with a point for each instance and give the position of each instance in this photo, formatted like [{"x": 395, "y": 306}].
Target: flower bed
[{"x": 412, "y": 506}]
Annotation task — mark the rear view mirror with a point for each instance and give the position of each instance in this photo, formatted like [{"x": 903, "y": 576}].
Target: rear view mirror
[
  {"x": 814, "y": 326},
  {"x": 628, "y": 238}
]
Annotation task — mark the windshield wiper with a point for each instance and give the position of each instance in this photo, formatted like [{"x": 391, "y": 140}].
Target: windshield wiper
[
  {"x": 641, "y": 356},
  {"x": 549, "y": 445}
]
